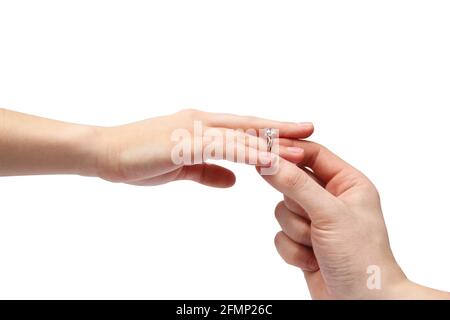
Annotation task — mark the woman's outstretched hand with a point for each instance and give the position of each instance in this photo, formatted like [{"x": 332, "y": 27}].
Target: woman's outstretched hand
[{"x": 145, "y": 152}]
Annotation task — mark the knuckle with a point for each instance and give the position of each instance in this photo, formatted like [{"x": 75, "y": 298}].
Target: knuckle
[
  {"x": 304, "y": 233},
  {"x": 295, "y": 180}
]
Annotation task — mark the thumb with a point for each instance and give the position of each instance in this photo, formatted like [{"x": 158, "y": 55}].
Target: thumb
[
  {"x": 208, "y": 174},
  {"x": 300, "y": 187}
]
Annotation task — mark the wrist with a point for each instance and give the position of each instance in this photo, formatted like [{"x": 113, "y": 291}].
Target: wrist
[
  {"x": 401, "y": 288},
  {"x": 385, "y": 281},
  {"x": 102, "y": 154},
  {"x": 87, "y": 145}
]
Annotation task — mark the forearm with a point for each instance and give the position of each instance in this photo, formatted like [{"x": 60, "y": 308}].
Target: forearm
[{"x": 33, "y": 145}]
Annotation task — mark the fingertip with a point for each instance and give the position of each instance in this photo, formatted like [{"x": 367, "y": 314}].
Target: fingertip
[
  {"x": 299, "y": 130},
  {"x": 278, "y": 239},
  {"x": 211, "y": 175},
  {"x": 306, "y": 124},
  {"x": 306, "y": 127},
  {"x": 227, "y": 179},
  {"x": 231, "y": 180},
  {"x": 292, "y": 154}
]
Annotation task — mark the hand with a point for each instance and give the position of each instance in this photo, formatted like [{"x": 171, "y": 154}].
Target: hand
[
  {"x": 333, "y": 229},
  {"x": 140, "y": 153}
]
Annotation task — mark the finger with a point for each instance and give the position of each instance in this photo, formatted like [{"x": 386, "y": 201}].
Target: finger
[
  {"x": 310, "y": 173},
  {"x": 296, "y": 254},
  {"x": 286, "y": 129},
  {"x": 325, "y": 164},
  {"x": 237, "y": 152},
  {"x": 299, "y": 186},
  {"x": 291, "y": 154},
  {"x": 296, "y": 208},
  {"x": 294, "y": 226},
  {"x": 230, "y": 136},
  {"x": 208, "y": 174}
]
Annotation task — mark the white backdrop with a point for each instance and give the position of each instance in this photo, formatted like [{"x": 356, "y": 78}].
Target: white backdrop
[{"x": 374, "y": 77}]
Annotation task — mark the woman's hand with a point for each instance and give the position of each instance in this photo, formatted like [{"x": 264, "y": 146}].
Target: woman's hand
[
  {"x": 333, "y": 229},
  {"x": 141, "y": 153}
]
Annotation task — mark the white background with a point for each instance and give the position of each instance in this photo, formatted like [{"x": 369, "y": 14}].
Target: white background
[{"x": 374, "y": 77}]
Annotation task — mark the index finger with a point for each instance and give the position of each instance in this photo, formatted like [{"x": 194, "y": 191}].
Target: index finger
[
  {"x": 293, "y": 130},
  {"x": 324, "y": 163}
]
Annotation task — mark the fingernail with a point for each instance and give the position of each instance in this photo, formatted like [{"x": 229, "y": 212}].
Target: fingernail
[
  {"x": 265, "y": 158},
  {"x": 295, "y": 150},
  {"x": 305, "y": 124}
]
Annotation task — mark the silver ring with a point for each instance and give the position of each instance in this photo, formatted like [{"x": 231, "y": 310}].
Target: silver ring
[{"x": 270, "y": 132}]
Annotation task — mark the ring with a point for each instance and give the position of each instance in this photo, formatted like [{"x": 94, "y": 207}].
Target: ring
[{"x": 269, "y": 138}]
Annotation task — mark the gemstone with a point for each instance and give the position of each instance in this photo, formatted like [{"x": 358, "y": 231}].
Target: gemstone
[{"x": 269, "y": 132}]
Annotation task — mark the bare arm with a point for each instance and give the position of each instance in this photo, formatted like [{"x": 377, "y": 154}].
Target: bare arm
[
  {"x": 33, "y": 145},
  {"x": 333, "y": 229},
  {"x": 138, "y": 153}
]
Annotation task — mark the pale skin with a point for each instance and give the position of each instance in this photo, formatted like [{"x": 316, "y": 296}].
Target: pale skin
[
  {"x": 333, "y": 229},
  {"x": 331, "y": 219},
  {"x": 138, "y": 153}
]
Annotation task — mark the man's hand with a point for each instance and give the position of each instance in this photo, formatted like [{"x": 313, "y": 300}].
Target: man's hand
[{"x": 333, "y": 229}]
